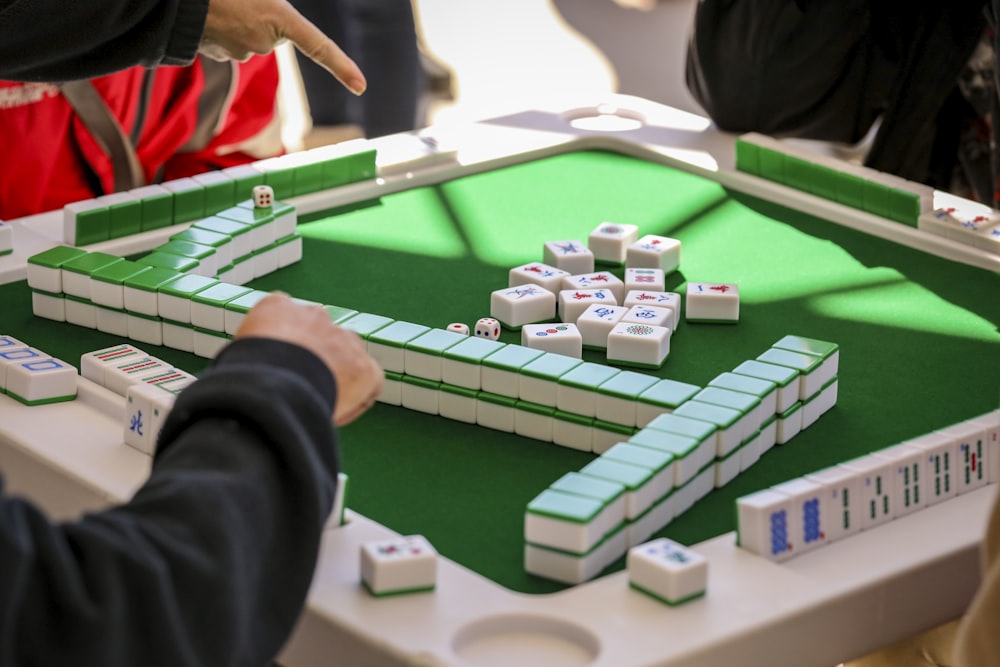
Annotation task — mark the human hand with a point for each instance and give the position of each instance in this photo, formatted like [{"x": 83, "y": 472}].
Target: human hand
[
  {"x": 236, "y": 29},
  {"x": 359, "y": 377}
]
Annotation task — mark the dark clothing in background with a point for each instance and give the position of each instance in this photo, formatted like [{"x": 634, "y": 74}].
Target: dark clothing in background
[
  {"x": 829, "y": 69},
  {"x": 49, "y": 40}
]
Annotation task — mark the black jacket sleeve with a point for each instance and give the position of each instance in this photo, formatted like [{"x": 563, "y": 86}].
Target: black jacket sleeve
[
  {"x": 55, "y": 40},
  {"x": 209, "y": 564}
]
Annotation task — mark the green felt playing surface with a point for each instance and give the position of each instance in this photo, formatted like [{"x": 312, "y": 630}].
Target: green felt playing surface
[{"x": 919, "y": 347}]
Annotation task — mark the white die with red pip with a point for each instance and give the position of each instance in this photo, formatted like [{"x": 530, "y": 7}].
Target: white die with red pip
[
  {"x": 263, "y": 196},
  {"x": 487, "y": 327}
]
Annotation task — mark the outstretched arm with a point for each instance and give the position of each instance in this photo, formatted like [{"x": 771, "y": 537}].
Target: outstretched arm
[
  {"x": 210, "y": 563},
  {"x": 49, "y": 40}
]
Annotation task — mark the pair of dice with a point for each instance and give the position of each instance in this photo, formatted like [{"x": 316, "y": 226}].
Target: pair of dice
[{"x": 486, "y": 327}]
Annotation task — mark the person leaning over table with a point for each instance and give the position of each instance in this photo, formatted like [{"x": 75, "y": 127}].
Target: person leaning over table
[
  {"x": 918, "y": 77},
  {"x": 922, "y": 77},
  {"x": 124, "y": 128},
  {"x": 210, "y": 562}
]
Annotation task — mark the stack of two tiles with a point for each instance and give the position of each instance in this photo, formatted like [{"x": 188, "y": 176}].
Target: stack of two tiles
[
  {"x": 149, "y": 386},
  {"x": 817, "y": 363},
  {"x": 33, "y": 377},
  {"x": 249, "y": 241},
  {"x": 588, "y": 519},
  {"x": 575, "y": 528},
  {"x": 809, "y": 512}
]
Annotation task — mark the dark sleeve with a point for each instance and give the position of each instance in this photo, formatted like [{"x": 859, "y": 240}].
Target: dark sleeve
[
  {"x": 53, "y": 40},
  {"x": 210, "y": 563}
]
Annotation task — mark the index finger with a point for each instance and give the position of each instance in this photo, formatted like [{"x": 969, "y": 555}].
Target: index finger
[{"x": 314, "y": 44}]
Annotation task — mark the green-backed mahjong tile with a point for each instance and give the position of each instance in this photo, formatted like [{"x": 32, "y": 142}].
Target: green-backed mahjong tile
[
  {"x": 535, "y": 408},
  {"x": 156, "y": 211},
  {"x": 512, "y": 358},
  {"x": 119, "y": 272},
  {"x": 728, "y": 398},
  {"x": 747, "y": 157},
  {"x": 804, "y": 363},
  {"x": 875, "y": 198},
  {"x": 851, "y": 190},
  {"x": 365, "y": 324},
  {"x": 243, "y": 303},
  {"x": 550, "y": 366},
  {"x": 124, "y": 218},
  {"x": 780, "y": 375},
  {"x": 668, "y": 394},
  {"x": 680, "y": 446},
  {"x": 627, "y": 474},
  {"x": 435, "y": 341},
  {"x": 245, "y": 178},
  {"x": 55, "y": 257},
  {"x": 473, "y": 350},
  {"x": 338, "y": 314},
  {"x": 824, "y": 182},
  {"x": 189, "y": 199},
  {"x": 818, "y": 348},
  {"x": 573, "y": 418},
  {"x": 335, "y": 172},
  {"x": 164, "y": 260},
  {"x": 459, "y": 391},
  {"x": 603, "y": 490},
  {"x": 224, "y": 226},
  {"x": 722, "y": 417},
  {"x": 152, "y": 280},
  {"x": 186, "y": 249},
  {"x": 421, "y": 382},
  {"x": 497, "y": 399},
  {"x": 92, "y": 226},
  {"x": 904, "y": 207},
  {"x": 653, "y": 459},
  {"x": 282, "y": 181},
  {"x": 565, "y": 506},
  {"x": 625, "y": 432},
  {"x": 362, "y": 166},
  {"x": 797, "y": 173},
  {"x": 397, "y": 334},
  {"x": 627, "y": 385},
  {"x": 588, "y": 376},
  {"x": 308, "y": 178},
  {"x": 201, "y": 236},
  {"x": 187, "y": 285},
  {"x": 90, "y": 262},
  {"x": 744, "y": 383},
  {"x": 772, "y": 164},
  {"x": 247, "y": 213},
  {"x": 698, "y": 429},
  {"x": 220, "y": 190},
  {"x": 220, "y": 295}
]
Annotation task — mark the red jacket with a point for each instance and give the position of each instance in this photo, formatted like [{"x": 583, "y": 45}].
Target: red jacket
[{"x": 50, "y": 157}]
